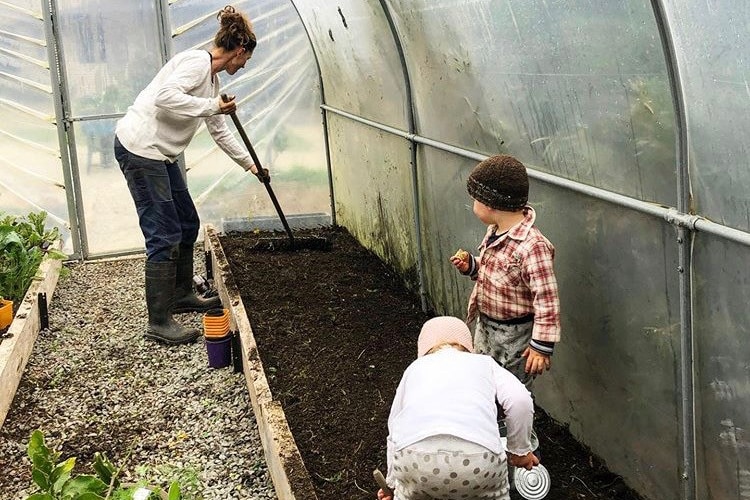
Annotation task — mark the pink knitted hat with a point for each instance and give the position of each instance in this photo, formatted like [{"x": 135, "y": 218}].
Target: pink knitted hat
[{"x": 442, "y": 330}]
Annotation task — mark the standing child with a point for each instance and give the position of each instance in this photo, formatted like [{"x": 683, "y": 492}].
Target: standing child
[
  {"x": 443, "y": 438},
  {"x": 515, "y": 299}
]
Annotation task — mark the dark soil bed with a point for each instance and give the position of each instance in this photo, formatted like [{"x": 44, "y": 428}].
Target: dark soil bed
[{"x": 335, "y": 331}]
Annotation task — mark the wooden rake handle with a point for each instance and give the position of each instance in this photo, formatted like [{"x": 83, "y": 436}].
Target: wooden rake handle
[
  {"x": 244, "y": 137},
  {"x": 266, "y": 182}
]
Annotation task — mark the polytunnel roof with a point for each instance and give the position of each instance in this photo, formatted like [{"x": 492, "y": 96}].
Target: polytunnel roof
[{"x": 550, "y": 82}]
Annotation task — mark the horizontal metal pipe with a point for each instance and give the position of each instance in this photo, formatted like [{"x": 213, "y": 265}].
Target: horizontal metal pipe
[
  {"x": 94, "y": 117},
  {"x": 706, "y": 226},
  {"x": 669, "y": 214},
  {"x": 377, "y": 125}
]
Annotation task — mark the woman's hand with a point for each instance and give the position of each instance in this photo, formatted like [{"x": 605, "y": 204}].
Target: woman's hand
[
  {"x": 265, "y": 176},
  {"x": 227, "y": 105}
]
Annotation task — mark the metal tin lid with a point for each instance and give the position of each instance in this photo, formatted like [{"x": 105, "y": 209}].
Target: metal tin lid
[{"x": 532, "y": 484}]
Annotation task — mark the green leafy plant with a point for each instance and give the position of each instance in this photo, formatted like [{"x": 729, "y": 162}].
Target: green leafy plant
[
  {"x": 187, "y": 477},
  {"x": 24, "y": 241},
  {"x": 32, "y": 229},
  {"x": 55, "y": 480}
]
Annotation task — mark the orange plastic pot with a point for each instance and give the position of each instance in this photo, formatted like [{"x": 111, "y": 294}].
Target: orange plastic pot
[
  {"x": 215, "y": 332},
  {"x": 224, "y": 320},
  {"x": 6, "y": 313},
  {"x": 216, "y": 323},
  {"x": 216, "y": 314}
]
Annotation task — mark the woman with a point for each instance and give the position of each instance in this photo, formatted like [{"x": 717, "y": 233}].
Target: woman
[{"x": 150, "y": 137}]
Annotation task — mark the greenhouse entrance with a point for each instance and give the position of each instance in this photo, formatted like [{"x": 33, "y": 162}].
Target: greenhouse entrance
[
  {"x": 76, "y": 71},
  {"x": 100, "y": 51}
]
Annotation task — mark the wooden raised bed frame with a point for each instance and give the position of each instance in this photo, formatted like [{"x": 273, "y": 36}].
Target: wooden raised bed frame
[
  {"x": 290, "y": 478},
  {"x": 23, "y": 331}
]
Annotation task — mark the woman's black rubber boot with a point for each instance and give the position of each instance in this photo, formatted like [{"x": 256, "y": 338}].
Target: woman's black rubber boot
[
  {"x": 160, "y": 292},
  {"x": 186, "y": 300}
]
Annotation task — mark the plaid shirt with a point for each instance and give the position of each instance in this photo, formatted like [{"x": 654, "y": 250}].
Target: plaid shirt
[{"x": 515, "y": 277}]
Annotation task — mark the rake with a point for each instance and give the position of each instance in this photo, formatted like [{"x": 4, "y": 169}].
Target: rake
[{"x": 276, "y": 244}]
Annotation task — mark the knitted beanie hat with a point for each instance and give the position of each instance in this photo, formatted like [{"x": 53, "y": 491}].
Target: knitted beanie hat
[
  {"x": 500, "y": 182},
  {"x": 443, "y": 330}
]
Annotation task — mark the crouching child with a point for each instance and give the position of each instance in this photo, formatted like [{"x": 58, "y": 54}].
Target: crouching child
[{"x": 443, "y": 437}]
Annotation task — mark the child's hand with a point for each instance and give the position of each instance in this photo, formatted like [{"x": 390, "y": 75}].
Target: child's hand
[
  {"x": 461, "y": 260},
  {"x": 526, "y": 461},
  {"x": 536, "y": 362},
  {"x": 383, "y": 496}
]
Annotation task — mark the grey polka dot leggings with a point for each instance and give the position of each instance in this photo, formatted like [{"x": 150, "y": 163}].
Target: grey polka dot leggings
[{"x": 448, "y": 468}]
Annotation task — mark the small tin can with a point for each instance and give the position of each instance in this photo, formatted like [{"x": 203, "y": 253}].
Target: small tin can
[{"x": 532, "y": 484}]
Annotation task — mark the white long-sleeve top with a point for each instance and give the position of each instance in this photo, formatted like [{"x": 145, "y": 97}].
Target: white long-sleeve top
[
  {"x": 454, "y": 392},
  {"x": 166, "y": 114}
]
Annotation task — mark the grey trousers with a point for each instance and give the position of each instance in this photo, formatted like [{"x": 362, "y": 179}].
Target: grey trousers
[{"x": 505, "y": 343}]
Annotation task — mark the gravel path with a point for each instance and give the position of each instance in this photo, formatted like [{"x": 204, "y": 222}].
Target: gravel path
[{"x": 93, "y": 383}]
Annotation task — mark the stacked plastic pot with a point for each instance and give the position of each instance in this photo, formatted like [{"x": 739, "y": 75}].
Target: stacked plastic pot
[{"x": 218, "y": 337}]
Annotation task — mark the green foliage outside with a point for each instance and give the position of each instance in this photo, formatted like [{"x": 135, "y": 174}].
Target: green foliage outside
[
  {"x": 24, "y": 241},
  {"x": 301, "y": 174},
  {"x": 55, "y": 481},
  {"x": 284, "y": 139}
]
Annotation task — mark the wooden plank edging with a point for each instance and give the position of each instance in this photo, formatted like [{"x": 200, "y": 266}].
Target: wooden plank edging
[
  {"x": 24, "y": 330},
  {"x": 290, "y": 478}
]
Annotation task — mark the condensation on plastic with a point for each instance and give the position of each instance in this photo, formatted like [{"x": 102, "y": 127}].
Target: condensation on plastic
[
  {"x": 711, "y": 45},
  {"x": 552, "y": 83},
  {"x": 361, "y": 70},
  {"x": 721, "y": 319}
]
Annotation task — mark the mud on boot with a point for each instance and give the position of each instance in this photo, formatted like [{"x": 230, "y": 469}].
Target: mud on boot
[{"x": 160, "y": 292}]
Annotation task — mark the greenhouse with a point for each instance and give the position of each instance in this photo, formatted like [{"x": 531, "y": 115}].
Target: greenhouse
[{"x": 370, "y": 117}]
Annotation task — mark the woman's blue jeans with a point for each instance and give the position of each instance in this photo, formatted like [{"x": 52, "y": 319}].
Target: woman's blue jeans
[{"x": 166, "y": 212}]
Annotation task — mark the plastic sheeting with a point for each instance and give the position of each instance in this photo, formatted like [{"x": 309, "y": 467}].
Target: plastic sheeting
[
  {"x": 359, "y": 59},
  {"x": 723, "y": 385},
  {"x": 711, "y": 47},
  {"x": 104, "y": 63},
  {"x": 549, "y": 82},
  {"x": 30, "y": 175}
]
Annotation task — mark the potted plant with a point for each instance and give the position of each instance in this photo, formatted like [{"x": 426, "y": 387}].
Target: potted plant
[
  {"x": 24, "y": 241},
  {"x": 55, "y": 481}
]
